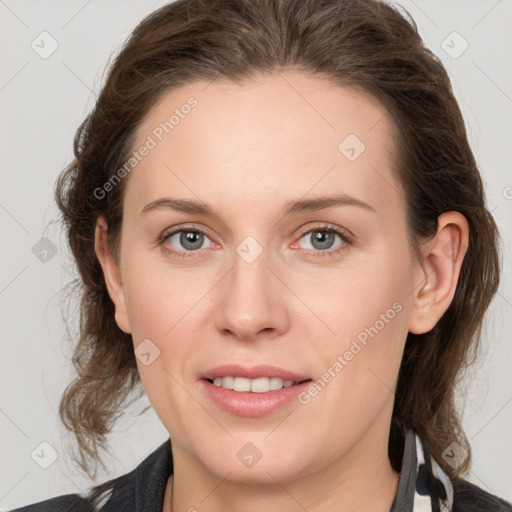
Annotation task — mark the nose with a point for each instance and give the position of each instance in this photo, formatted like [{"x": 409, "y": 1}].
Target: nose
[{"x": 252, "y": 299}]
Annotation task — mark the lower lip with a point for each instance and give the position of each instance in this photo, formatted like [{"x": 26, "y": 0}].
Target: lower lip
[{"x": 245, "y": 403}]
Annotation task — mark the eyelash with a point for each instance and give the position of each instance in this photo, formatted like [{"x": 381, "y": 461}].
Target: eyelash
[{"x": 324, "y": 228}]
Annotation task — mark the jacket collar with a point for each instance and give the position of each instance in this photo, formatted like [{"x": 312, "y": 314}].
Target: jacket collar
[{"x": 140, "y": 490}]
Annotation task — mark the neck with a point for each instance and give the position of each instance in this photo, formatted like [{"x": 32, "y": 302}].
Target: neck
[{"x": 362, "y": 479}]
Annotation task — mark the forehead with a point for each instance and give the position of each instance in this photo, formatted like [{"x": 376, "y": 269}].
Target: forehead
[{"x": 276, "y": 135}]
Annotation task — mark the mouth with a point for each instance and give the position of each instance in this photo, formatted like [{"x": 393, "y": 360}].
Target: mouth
[
  {"x": 252, "y": 390},
  {"x": 249, "y": 398}
]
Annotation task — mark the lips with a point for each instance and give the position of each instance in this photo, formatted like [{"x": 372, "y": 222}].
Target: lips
[
  {"x": 253, "y": 372},
  {"x": 252, "y": 405}
]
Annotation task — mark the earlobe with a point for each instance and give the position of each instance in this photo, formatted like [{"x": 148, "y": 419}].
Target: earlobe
[
  {"x": 440, "y": 268},
  {"x": 111, "y": 273}
]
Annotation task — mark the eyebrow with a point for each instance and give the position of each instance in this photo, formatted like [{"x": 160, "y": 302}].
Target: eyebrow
[{"x": 296, "y": 206}]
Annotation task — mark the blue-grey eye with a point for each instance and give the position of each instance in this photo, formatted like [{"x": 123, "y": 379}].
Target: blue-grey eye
[
  {"x": 189, "y": 240},
  {"x": 321, "y": 239}
]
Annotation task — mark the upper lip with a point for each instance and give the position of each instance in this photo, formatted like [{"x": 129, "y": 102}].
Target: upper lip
[{"x": 253, "y": 372}]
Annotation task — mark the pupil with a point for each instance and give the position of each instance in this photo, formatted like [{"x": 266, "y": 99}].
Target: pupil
[
  {"x": 325, "y": 238},
  {"x": 188, "y": 238}
]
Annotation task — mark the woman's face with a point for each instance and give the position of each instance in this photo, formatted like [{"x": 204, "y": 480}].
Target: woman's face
[{"x": 266, "y": 284}]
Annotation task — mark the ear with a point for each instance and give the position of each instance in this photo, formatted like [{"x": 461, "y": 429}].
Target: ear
[
  {"x": 439, "y": 272},
  {"x": 112, "y": 274}
]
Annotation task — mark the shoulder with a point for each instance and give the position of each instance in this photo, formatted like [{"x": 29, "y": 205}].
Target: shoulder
[
  {"x": 468, "y": 497},
  {"x": 62, "y": 503},
  {"x": 142, "y": 488}
]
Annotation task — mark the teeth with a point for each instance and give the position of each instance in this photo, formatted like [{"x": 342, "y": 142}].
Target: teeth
[{"x": 261, "y": 385}]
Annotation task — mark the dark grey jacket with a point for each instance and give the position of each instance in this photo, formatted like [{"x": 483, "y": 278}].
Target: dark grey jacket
[{"x": 422, "y": 486}]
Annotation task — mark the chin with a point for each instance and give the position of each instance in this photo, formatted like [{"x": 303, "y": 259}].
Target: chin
[{"x": 256, "y": 462}]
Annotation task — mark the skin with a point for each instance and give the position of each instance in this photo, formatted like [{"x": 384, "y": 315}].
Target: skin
[{"x": 247, "y": 150}]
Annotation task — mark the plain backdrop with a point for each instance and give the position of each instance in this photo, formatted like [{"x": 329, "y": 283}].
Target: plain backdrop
[{"x": 43, "y": 101}]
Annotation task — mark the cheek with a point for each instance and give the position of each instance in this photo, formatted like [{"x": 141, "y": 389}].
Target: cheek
[
  {"x": 364, "y": 313},
  {"x": 162, "y": 320},
  {"x": 159, "y": 296},
  {"x": 157, "y": 305},
  {"x": 364, "y": 293}
]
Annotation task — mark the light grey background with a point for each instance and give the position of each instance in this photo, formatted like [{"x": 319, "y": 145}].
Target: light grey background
[{"x": 42, "y": 103}]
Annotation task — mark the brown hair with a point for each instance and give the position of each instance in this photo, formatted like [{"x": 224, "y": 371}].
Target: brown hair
[{"x": 364, "y": 44}]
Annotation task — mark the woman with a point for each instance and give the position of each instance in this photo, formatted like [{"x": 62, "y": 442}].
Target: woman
[{"x": 282, "y": 235}]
